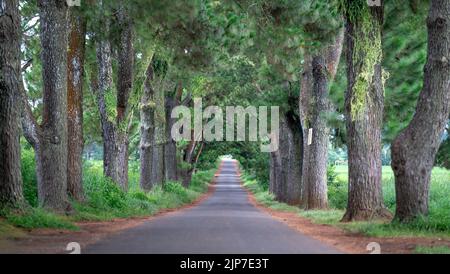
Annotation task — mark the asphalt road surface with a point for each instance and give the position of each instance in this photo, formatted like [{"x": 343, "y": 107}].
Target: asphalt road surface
[{"x": 226, "y": 222}]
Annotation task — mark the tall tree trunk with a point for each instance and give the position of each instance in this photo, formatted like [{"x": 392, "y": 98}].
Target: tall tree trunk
[
  {"x": 414, "y": 150},
  {"x": 293, "y": 164},
  {"x": 364, "y": 112},
  {"x": 272, "y": 173},
  {"x": 125, "y": 84},
  {"x": 52, "y": 149},
  {"x": 147, "y": 131},
  {"x": 281, "y": 161},
  {"x": 115, "y": 129},
  {"x": 75, "y": 62},
  {"x": 324, "y": 68},
  {"x": 158, "y": 173},
  {"x": 170, "y": 150},
  {"x": 276, "y": 182},
  {"x": 10, "y": 100},
  {"x": 306, "y": 86},
  {"x": 105, "y": 85}
]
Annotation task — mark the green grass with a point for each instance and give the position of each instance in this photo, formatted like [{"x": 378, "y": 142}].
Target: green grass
[
  {"x": 432, "y": 250},
  {"x": 105, "y": 200},
  {"x": 39, "y": 218},
  {"x": 264, "y": 197},
  {"x": 437, "y": 224},
  {"x": 7, "y": 230}
]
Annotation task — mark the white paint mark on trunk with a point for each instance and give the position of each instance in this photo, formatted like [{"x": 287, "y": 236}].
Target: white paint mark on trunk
[{"x": 310, "y": 133}]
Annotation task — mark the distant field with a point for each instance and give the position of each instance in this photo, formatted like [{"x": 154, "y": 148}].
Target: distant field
[
  {"x": 440, "y": 174},
  {"x": 436, "y": 224}
]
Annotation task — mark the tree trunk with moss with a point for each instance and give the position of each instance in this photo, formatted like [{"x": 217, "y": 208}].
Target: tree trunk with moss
[
  {"x": 364, "y": 101},
  {"x": 115, "y": 125},
  {"x": 414, "y": 149},
  {"x": 147, "y": 131},
  {"x": 102, "y": 91},
  {"x": 158, "y": 173},
  {"x": 324, "y": 67},
  {"x": 10, "y": 101},
  {"x": 124, "y": 88},
  {"x": 75, "y": 72}
]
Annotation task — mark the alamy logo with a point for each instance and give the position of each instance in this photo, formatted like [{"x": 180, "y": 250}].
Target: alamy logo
[
  {"x": 213, "y": 129},
  {"x": 73, "y": 3},
  {"x": 374, "y": 3}
]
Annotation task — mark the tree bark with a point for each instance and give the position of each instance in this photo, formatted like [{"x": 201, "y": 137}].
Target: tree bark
[
  {"x": 51, "y": 152},
  {"x": 364, "y": 101},
  {"x": 170, "y": 150},
  {"x": 115, "y": 129},
  {"x": 10, "y": 100},
  {"x": 280, "y": 162},
  {"x": 75, "y": 72},
  {"x": 192, "y": 155},
  {"x": 125, "y": 84},
  {"x": 147, "y": 131},
  {"x": 105, "y": 85},
  {"x": 272, "y": 173},
  {"x": 324, "y": 67},
  {"x": 306, "y": 87},
  {"x": 414, "y": 149},
  {"x": 293, "y": 165},
  {"x": 158, "y": 173}
]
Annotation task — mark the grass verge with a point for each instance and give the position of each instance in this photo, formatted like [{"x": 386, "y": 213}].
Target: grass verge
[
  {"x": 106, "y": 201},
  {"x": 433, "y": 226}
]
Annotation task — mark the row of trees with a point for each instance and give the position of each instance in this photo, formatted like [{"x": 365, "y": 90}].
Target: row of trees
[
  {"x": 94, "y": 44},
  {"x": 112, "y": 71},
  {"x": 413, "y": 150}
]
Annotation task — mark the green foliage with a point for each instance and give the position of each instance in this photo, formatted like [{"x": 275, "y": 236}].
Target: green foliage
[
  {"x": 29, "y": 176},
  {"x": 200, "y": 180},
  {"x": 404, "y": 50},
  {"x": 175, "y": 188},
  {"x": 105, "y": 200},
  {"x": 39, "y": 218},
  {"x": 337, "y": 194},
  {"x": 331, "y": 174},
  {"x": 103, "y": 193}
]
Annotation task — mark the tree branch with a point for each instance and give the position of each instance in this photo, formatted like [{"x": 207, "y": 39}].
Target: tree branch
[{"x": 30, "y": 127}]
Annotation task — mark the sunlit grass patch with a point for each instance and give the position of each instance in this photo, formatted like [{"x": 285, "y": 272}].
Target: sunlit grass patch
[{"x": 331, "y": 216}]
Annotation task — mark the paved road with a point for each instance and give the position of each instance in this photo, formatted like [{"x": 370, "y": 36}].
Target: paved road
[{"x": 224, "y": 223}]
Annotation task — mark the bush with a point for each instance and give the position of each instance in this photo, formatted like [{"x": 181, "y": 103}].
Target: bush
[
  {"x": 28, "y": 166},
  {"x": 200, "y": 180},
  {"x": 337, "y": 194},
  {"x": 331, "y": 174},
  {"x": 102, "y": 192}
]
